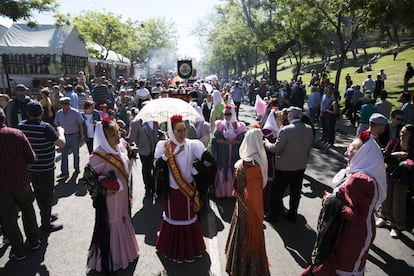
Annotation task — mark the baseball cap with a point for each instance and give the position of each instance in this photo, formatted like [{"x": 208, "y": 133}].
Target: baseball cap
[
  {"x": 294, "y": 110},
  {"x": 21, "y": 87},
  {"x": 64, "y": 99},
  {"x": 378, "y": 118}
]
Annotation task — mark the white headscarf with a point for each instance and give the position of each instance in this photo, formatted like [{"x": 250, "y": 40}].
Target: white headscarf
[
  {"x": 252, "y": 148},
  {"x": 197, "y": 108},
  {"x": 230, "y": 131},
  {"x": 369, "y": 160},
  {"x": 99, "y": 141},
  {"x": 271, "y": 123},
  {"x": 217, "y": 97},
  {"x": 172, "y": 137}
]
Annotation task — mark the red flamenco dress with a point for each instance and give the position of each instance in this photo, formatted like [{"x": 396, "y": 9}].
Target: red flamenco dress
[{"x": 180, "y": 238}]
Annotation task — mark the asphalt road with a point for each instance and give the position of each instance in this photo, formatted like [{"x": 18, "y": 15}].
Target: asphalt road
[{"x": 288, "y": 245}]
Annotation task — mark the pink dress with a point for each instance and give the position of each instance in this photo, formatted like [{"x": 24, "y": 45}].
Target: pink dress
[{"x": 123, "y": 243}]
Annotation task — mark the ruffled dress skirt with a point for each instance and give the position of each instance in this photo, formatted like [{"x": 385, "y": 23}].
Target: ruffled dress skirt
[
  {"x": 180, "y": 238},
  {"x": 123, "y": 243}
]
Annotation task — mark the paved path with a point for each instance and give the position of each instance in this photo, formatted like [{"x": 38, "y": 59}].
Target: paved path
[{"x": 288, "y": 245}]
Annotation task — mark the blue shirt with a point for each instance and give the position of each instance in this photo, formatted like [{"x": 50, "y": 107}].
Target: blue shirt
[
  {"x": 314, "y": 99},
  {"x": 73, "y": 99},
  {"x": 236, "y": 93},
  {"x": 326, "y": 102},
  {"x": 71, "y": 120}
]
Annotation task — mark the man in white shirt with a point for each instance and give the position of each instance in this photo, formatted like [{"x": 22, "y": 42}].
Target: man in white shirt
[
  {"x": 142, "y": 94},
  {"x": 368, "y": 84}
]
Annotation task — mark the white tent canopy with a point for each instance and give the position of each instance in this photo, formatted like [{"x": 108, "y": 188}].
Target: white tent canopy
[
  {"x": 3, "y": 30},
  {"x": 112, "y": 56},
  {"x": 43, "y": 39}
]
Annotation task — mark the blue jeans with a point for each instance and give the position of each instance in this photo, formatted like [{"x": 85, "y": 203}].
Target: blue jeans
[{"x": 72, "y": 143}]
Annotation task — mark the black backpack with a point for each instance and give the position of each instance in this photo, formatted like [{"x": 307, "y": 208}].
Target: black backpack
[{"x": 330, "y": 223}]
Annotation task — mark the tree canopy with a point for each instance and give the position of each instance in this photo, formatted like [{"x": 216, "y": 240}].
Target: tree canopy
[
  {"x": 17, "y": 10},
  {"x": 133, "y": 39}
]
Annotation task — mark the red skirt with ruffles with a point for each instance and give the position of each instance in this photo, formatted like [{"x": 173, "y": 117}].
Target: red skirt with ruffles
[{"x": 180, "y": 243}]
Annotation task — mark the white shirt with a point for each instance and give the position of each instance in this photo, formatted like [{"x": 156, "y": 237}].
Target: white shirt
[{"x": 90, "y": 126}]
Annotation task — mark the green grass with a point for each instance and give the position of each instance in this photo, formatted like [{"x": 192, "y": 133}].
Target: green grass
[{"x": 394, "y": 69}]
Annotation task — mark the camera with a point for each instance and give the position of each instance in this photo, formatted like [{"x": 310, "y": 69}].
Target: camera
[{"x": 132, "y": 152}]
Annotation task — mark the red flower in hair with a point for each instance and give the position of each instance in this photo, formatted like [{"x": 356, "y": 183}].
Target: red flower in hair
[
  {"x": 364, "y": 136},
  {"x": 255, "y": 125},
  {"x": 228, "y": 106},
  {"x": 106, "y": 121},
  {"x": 175, "y": 118},
  {"x": 275, "y": 108}
]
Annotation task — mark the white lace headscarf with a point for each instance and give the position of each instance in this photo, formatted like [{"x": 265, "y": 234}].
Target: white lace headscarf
[
  {"x": 271, "y": 123},
  {"x": 100, "y": 141},
  {"x": 230, "y": 130},
  {"x": 171, "y": 136},
  {"x": 252, "y": 148},
  {"x": 217, "y": 98},
  {"x": 369, "y": 160}
]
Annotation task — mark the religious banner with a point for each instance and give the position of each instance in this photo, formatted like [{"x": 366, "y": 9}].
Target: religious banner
[{"x": 185, "y": 68}]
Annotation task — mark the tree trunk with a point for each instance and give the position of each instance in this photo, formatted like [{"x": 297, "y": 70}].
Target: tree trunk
[
  {"x": 354, "y": 56},
  {"x": 395, "y": 32},
  {"x": 273, "y": 57},
  {"x": 255, "y": 66},
  {"x": 273, "y": 65},
  {"x": 339, "y": 69}
]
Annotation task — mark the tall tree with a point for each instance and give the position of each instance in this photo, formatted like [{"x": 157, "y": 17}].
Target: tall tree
[
  {"x": 231, "y": 46},
  {"x": 336, "y": 14},
  {"x": 265, "y": 20},
  {"x": 144, "y": 36},
  {"x": 104, "y": 29},
  {"x": 306, "y": 27},
  {"x": 389, "y": 16}
]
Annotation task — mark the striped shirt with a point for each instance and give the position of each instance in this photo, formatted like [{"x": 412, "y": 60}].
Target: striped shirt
[
  {"x": 42, "y": 137},
  {"x": 100, "y": 95}
]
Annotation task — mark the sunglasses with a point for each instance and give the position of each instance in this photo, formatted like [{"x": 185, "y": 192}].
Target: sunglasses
[
  {"x": 64, "y": 103},
  {"x": 398, "y": 119},
  {"x": 180, "y": 130},
  {"x": 227, "y": 114}
]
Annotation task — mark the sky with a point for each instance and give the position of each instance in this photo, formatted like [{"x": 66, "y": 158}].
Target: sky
[{"x": 184, "y": 13}]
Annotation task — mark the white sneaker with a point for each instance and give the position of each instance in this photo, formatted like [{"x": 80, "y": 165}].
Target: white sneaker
[
  {"x": 395, "y": 233},
  {"x": 380, "y": 223}
]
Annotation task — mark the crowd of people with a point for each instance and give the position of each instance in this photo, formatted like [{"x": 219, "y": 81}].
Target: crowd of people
[{"x": 255, "y": 164}]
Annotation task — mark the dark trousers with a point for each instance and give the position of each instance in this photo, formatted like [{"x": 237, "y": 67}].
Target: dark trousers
[
  {"x": 21, "y": 198},
  {"x": 147, "y": 162},
  {"x": 284, "y": 179},
  {"x": 44, "y": 188},
  {"x": 331, "y": 129},
  {"x": 324, "y": 124},
  {"x": 237, "y": 104},
  {"x": 89, "y": 144}
]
